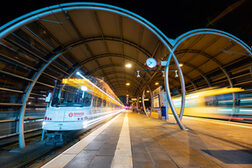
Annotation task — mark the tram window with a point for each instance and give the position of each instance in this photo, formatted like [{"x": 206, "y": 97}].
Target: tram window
[
  {"x": 211, "y": 101},
  {"x": 87, "y": 99},
  {"x": 99, "y": 102},
  {"x": 104, "y": 103},
  {"x": 71, "y": 97},
  {"x": 224, "y": 100},
  {"x": 94, "y": 101}
]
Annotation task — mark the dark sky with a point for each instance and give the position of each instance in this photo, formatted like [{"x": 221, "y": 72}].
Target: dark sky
[{"x": 173, "y": 17}]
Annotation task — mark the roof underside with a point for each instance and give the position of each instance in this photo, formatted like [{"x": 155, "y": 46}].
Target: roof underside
[{"x": 102, "y": 43}]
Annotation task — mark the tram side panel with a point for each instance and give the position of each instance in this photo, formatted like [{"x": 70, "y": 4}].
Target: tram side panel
[{"x": 218, "y": 106}]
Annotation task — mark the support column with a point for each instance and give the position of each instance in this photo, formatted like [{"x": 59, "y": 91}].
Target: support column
[
  {"x": 25, "y": 99},
  {"x": 168, "y": 94},
  {"x": 151, "y": 95},
  {"x": 144, "y": 108}
]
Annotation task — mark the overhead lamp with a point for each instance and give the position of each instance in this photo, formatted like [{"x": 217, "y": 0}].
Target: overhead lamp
[
  {"x": 79, "y": 74},
  {"x": 138, "y": 74},
  {"x": 127, "y": 84},
  {"x": 180, "y": 65},
  {"x": 84, "y": 88},
  {"x": 147, "y": 91},
  {"x": 128, "y": 65},
  {"x": 127, "y": 95},
  {"x": 156, "y": 83},
  {"x": 176, "y": 73}
]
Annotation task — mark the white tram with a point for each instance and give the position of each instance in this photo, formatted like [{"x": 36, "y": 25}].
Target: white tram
[{"x": 76, "y": 104}]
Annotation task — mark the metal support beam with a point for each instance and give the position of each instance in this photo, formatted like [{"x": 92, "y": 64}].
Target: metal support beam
[
  {"x": 151, "y": 95},
  {"x": 109, "y": 55},
  {"x": 168, "y": 94},
  {"x": 189, "y": 34},
  {"x": 26, "y": 96},
  {"x": 143, "y": 103}
]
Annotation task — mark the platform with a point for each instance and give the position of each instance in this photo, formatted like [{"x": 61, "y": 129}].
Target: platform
[{"x": 133, "y": 140}]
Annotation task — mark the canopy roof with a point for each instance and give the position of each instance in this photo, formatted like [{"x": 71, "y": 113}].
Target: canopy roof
[{"x": 102, "y": 42}]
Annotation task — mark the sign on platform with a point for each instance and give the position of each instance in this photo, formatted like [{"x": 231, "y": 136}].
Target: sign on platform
[{"x": 163, "y": 63}]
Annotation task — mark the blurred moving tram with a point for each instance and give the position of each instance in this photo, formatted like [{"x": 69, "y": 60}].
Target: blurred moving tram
[
  {"x": 76, "y": 104},
  {"x": 218, "y": 103}
]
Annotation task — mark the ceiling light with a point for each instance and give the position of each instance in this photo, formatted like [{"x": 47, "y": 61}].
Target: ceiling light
[
  {"x": 156, "y": 83},
  {"x": 128, "y": 65},
  {"x": 127, "y": 84},
  {"x": 148, "y": 91},
  {"x": 138, "y": 74},
  {"x": 180, "y": 65},
  {"x": 176, "y": 73},
  {"x": 84, "y": 88},
  {"x": 163, "y": 73},
  {"x": 79, "y": 74}
]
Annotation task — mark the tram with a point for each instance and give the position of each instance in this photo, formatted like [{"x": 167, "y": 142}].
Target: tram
[
  {"x": 218, "y": 103},
  {"x": 76, "y": 104}
]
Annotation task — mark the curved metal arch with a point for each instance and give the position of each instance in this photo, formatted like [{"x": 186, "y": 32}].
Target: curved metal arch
[
  {"x": 131, "y": 75},
  {"x": 191, "y": 81},
  {"x": 128, "y": 73},
  {"x": 28, "y": 18},
  {"x": 108, "y": 38},
  {"x": 121, "y": 80},
  {"x": 151, "y": 95},
  {"x": 189, "y": 34},
  {"x": 157, "y": 78},
  {"x": 104, "y": 67},
  {"x": 168, "y": 94},
  {"x": 183, "y": 51},
  {"x": 143, "y": 103},
  {"x": 216, "y": 61},
  {"x": 198, "y": 70},
  {"x": 119, "y": 72},
  {"x": 105, "y": 55},
  {"x": 186, "y": 76},
  {"x": 119, "y": 85},
  {"x": 193, "y": 67},
  {"x": 160, "y": 78},
  {"x": 194, "y": 32},
  {"x": 27, "y": 95},
  {"x": 126, "y": 78}
]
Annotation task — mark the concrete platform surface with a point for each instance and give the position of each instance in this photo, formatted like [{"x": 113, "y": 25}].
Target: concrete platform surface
[{"x": 133, "y": 140}]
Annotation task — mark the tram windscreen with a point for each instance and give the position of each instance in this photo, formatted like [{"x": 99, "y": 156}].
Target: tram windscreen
[{"x": 71, "y": 97}]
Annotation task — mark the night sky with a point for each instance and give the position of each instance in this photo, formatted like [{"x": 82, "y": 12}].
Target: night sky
[{"x": 172, "y": 17}]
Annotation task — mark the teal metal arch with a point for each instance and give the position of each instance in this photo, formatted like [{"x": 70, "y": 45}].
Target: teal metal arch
[
  {"x": 187, "y": 35},
  {"x": 35, "y": 15}
]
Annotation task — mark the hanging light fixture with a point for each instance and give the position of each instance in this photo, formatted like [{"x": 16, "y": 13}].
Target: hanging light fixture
[
  {"x": 138, "y": 74},
  {"x": 176, "y": 73}
]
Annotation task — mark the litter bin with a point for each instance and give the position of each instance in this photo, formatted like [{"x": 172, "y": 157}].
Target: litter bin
[{"x": 163, "y": 112}]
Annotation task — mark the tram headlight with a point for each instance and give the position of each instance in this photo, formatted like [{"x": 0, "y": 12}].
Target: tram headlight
[
  {"x": 43, "y": 123},
  {"x": 85, "y": 124}
]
